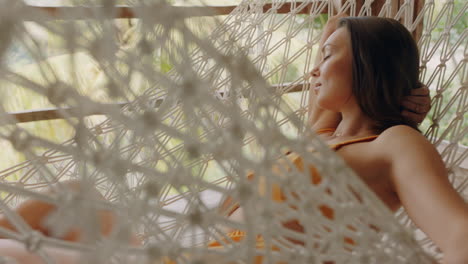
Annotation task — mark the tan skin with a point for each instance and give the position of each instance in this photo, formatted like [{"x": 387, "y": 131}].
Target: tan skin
[
  {"x": 327, "y": 114},
  {"x": 400, "y": 166},
  {"x": 34, "y": 212}
]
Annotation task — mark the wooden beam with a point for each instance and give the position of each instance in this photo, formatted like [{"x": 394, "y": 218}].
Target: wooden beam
[
  {"x": 376, "y": 6},
  {"x": 56, "y": 113},
  {"x": 125, "y": 12},
  {"x": 129, "y": 12},
  {"x": 49, "y": 114},
  {"x": 122, "y": 12},
  {"x": 418, "y": 6},
  {"x": 395, "y": 6}
]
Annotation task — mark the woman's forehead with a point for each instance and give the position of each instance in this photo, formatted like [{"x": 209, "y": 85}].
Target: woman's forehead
[{"x": 339, "y": 38}]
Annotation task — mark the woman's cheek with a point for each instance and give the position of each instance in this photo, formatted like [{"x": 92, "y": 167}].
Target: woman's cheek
[{"x": 331, "y": 98}]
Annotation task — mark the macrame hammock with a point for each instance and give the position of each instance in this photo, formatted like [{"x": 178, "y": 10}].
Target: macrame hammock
[{"x": 150, "y": 159}]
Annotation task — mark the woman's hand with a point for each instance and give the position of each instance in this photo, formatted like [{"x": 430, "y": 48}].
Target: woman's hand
[{"x": 417, "y": 105}]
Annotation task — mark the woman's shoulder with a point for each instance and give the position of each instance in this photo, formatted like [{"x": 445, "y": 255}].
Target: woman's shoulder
[
  {"x": 401, "y": 132},
  {"x": 400, "y": 138}
]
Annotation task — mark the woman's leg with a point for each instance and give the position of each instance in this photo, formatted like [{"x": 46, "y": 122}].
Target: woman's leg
[
  {"x": 16, "y": 251},
  {"x": 34, "y": 212}
]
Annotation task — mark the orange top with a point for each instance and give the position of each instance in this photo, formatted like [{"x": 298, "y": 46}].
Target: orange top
[
  {"x": 230, "y": 207},
  {"x": 277, "y": 195},
  {"x": 344, "y": 143},
  {"x": 324, "y": 130},
  {"x": 352, "y": 141},
  {"x": 327, "y": 211}
]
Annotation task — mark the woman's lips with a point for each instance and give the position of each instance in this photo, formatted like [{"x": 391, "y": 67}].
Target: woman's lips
[{"x": 317, "y": 87}]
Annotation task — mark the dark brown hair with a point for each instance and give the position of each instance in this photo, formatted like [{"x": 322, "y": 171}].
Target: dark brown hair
[{"x": 385, "y": 68}]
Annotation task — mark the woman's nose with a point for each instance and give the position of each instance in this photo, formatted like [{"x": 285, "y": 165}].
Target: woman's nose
[{"x": 315, "y": 72}]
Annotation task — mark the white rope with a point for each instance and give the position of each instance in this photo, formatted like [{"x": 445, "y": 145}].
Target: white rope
[{"x": 217, "y": 115}]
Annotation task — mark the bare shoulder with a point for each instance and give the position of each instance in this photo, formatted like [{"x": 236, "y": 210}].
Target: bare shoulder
[
  {"x": 402, "y": 140},
  {"x": 402, "y": 134}
]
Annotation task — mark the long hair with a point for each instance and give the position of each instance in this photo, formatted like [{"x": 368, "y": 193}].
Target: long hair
[{"x": 385, "y": 68}]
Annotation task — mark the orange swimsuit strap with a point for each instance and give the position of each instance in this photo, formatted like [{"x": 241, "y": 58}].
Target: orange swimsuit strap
[
  {"x": 229, "y": 206},
  {"x": 352, "y": 141},
  {"x": 324, "y": 130}
]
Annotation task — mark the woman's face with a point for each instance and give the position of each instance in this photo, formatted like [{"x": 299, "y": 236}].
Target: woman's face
[{"x": 333, "y": 84}]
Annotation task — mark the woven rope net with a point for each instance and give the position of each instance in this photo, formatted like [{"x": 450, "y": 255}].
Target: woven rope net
[{"x": 188, "y": 139}]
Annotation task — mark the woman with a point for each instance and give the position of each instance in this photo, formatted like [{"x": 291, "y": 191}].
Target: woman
[
  {"x": 346, "y": 81},
  {"x": 366, "y": 67},
  {"x": 365, "y": 93}
]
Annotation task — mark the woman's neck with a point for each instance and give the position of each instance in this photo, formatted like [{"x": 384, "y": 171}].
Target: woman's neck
[{"x": 354, "y": 123}]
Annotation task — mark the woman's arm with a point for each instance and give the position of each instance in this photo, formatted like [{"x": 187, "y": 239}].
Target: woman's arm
[{"x": 420, "y": 180}]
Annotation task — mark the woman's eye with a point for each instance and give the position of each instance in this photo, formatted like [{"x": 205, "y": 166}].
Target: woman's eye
[{"x": 326, "y": 57}]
